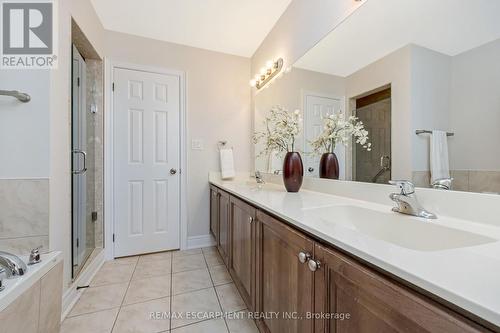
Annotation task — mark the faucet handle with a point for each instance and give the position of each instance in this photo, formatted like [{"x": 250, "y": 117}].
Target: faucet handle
[
  {"x": 406, "y": 187},
  {"x": 35, "y": 256}
]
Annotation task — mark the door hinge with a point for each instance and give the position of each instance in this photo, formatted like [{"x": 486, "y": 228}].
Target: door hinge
[
  {"x": 113, "y": 238},
  {"x": 113, "y": 87},
  {"x": 78, "y": 242},
  {"x": 94, "y": 216},
  {"x": 78, "y": 81}
]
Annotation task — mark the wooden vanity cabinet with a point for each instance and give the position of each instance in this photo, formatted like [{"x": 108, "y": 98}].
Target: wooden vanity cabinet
[
  {"x": 223, "y": 240},
  {"x": 214, "y": 213},
  {"x": 242, "y": 249},
  {"x": 262, "y": 255},
  {"x": 374, "y": 302},
  {"x": 284, "y": 285}
]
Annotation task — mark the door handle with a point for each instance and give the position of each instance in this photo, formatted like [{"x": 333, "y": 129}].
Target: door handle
[
  {"x": 84, "y": 154},
  {"x": 173, "y": 171}
]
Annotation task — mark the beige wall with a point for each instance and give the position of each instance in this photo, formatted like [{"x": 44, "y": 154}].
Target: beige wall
[
  {"x": 218, "y": 97},
  {"x": 475, "y": 105},
  {"x": 303, "y": 24},
  {"x": 300, "y": 27},
  {"x": 430, "y": 100}
]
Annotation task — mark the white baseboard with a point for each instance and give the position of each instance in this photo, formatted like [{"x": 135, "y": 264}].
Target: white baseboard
[
  {"x": 71, "y": 295},
  {"x": 195, "y": 242}
]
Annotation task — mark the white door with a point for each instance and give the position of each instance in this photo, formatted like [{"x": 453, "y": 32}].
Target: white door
[
  {"x": 146, "y": 151},
  {"x": 315, "y": 109}
]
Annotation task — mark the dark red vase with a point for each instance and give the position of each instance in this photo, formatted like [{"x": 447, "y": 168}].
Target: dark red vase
[
  {"x": 293, "y": 171},
  {"x": 329, "y": 166}
]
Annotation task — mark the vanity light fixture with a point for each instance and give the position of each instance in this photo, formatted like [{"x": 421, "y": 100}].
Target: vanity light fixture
[{"x": 267, "y": 73}]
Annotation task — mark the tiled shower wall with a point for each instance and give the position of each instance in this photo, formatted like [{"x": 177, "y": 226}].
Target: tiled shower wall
[
  {"x": 95, "y": 139},
  {"x": 465, "y": 180},
  {"x": 24, "y": 215}
]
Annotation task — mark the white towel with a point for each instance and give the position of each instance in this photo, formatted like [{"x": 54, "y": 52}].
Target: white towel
[
  {"x": 227, "y": 163},
  {"x": 440, "y": 167}
]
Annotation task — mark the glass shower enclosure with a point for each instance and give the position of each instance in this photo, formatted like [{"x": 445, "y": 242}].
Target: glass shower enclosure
[{"x": 83, "y": 172}]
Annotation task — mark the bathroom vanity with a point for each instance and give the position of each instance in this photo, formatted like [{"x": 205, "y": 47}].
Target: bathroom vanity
[{"x": 287, "y": 254}]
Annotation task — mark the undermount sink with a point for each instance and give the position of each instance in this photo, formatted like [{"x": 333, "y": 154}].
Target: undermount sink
[{"x": 409, "y": 232}]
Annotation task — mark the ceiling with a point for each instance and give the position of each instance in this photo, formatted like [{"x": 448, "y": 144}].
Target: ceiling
[
  {"x": 231, "y": 26},
  {"x": 380, "y": 27}
]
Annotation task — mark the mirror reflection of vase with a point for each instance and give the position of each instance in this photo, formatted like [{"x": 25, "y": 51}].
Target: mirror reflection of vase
[
  {"x": 293, "y": 171},
  {"x": 329, "y": 166}
]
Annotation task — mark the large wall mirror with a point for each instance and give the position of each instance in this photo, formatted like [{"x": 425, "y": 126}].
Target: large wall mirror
[{"x": 423, "y": 77}]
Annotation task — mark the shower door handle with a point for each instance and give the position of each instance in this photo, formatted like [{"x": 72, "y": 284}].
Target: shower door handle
[{"x": 84, "y": 154}]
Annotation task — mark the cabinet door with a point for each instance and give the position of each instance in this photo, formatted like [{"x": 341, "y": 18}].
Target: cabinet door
[
  {"x": 284, "y": 284},
  {"x": 214, "y": 213},
  {"x": 223, "y": 243},
  {"x": 374, "y": 302},
  {"x": 242, "y": 253}
]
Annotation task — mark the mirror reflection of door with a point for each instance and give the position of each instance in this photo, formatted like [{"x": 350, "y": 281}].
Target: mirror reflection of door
[
  {"x": 374, "y": 111},
  {"x": 317, "y": 107}
]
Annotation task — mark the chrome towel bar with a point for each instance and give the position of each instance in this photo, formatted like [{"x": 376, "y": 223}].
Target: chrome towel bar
[{"x": 430, "y": 132}]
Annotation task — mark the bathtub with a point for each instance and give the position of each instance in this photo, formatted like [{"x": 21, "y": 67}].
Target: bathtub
[{"x": 16, "y": 286}]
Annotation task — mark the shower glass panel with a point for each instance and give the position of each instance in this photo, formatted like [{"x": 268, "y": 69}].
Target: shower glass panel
[{"x": 83, "y": 171}]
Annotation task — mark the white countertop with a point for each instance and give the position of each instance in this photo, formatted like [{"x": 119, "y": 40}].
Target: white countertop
[{"x": 468, "y": 277}]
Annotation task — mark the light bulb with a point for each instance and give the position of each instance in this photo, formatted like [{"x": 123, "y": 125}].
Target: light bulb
[
  {"x": 257, "y": 77},
  {"x": 263, "y": 71},
  {"x": 253, "y": 83},
  {"x": 270, "y": 64}
]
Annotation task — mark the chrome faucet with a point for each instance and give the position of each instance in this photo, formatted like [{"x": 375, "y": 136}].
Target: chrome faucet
[
  {"x": 407, "y": 202},
  {"x": 442, "y": 183},
  {"x": 258, "y": 178},
  {"x": 14, "y": 266}
]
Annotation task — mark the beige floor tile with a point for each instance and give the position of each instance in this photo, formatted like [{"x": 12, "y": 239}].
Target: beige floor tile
[
  {"x": 239, "y": 322},
  {"x": 156, "y": 256},
  {"x": 213, "y": 259},
  {"x": 202, "y": 301},
  {"x": 230, "y": 298},
  {"x": 113, "y": 273},
  {"x": 97, "y": 322},
  {"x": 100, "y": 298},
  {"x": 183, "y": 282},
  {"x": 147, "y": 269},
  {"x": 136, "y": 318},
  {"x": 207, "y": 326},
  {"x": 185, "y": 253},
  {"x": 188, "y": 263},
  {"x": 148, "y": 289},
  {"x": 220, "y": 275},
  {"x": 210, "y": 249}
]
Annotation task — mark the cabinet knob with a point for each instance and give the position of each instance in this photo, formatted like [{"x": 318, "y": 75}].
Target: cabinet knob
[
  {"x": 304, "y": 257},
  {"x": 250, "y": 219},
  {"x": 310, "y": 169},
  {"x": 313, "y": 265}
]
